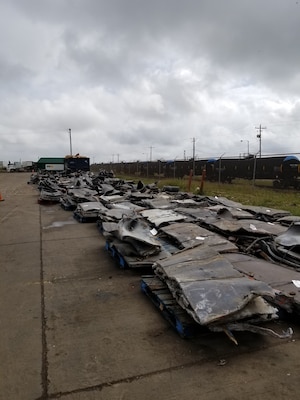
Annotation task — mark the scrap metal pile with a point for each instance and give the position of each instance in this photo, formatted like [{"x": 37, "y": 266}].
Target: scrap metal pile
[{"x": 229, "y": 266}]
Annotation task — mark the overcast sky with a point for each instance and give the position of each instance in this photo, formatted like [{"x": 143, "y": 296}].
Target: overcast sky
[{"x": 139, "y": 79}]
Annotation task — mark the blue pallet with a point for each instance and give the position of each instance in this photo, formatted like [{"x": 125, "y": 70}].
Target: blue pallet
[
  {"x": 116, "y": 255},
  {"x": 162, "y": 298}
]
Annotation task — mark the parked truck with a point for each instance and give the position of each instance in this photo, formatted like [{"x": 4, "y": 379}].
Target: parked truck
[
  {"x": 14, "y": 166},
  {"x": 18, "y": 166}
]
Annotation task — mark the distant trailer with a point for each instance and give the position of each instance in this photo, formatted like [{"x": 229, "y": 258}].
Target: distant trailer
[{"x": 77, "y": 164}]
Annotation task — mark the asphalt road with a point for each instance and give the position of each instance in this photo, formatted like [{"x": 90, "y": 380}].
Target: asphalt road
[{"x": 74, "y": 325}]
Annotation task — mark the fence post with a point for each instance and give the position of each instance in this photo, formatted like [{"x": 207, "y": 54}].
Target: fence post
[
  {"x": 203, "y": 176},
  {"x": 190, "y": 180}
]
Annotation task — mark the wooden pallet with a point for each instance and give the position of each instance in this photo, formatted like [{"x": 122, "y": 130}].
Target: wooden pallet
[{"x": 162, "y": 298}]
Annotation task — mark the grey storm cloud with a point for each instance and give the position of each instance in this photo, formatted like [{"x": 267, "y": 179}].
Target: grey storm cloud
[{"x": 132, "y": 75}]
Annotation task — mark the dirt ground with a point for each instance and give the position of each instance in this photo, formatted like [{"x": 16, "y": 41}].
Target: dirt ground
[{"x": 74, "y": 325}]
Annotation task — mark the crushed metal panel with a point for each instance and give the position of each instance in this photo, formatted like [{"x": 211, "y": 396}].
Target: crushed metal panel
[
  {"x": 127, "y": 254},
  {"x": 123, "y": 248},
  {"x": 195, "y": 264},
  {"x": 291, "y": 237},
  {"x": 82, "y": 194},
  {"x": 231, "y": 212},
  {"x": 269, "y": 214},
  {"x": 107, "y": 189},
  {"x": 277, "y": 276},
  {"x": 221, "y": 245},
  {"x": 167, "y": 249},
  {"x": 53, "y": 195},
  {"x": 210, "y": 289},
  {"x": 91, "y": 207},
  {"x": 225, "y": 202},
  {"x": 188, "y": 235},
  {"x": 137, "y": 232},
  {"x": 252, "y": 227},
  {"x": 134, "y": 259},
  {"x": 111, "y": 199},
  {"x": 159, "y": 217},
  {"x": 200, "y": 214},
  {"x": 225, "y": 300},
  {"x": 160, "y": 202},
  {"x": 185, "y": 202},
  {"x": 282, "y": 255},
  {"x": 289, "y": 220},
  {"x": 108, "y": 228},
  {"x": 115, "y": 214},
  {"x": 138, "y": 196},
  {"x": 127, "y": 206},
  {"x": 168, "y": 245}
]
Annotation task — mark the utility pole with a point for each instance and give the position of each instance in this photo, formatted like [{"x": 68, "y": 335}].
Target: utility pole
[
  {"x": 151, "y": 147},
  {"x": 260, "y": 128},
  {"x": 194, "y": 141},
  {"x": 220, "y": 167},
  {"x": 70, "y": 142}
]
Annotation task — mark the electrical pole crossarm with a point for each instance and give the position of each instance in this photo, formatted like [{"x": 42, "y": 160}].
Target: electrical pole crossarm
[{"x": 260, "y": 128}]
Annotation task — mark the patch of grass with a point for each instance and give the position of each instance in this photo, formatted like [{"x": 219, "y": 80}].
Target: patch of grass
[
  {"x": 242, "y": 191},
  {"x": 249, "y": 194}
]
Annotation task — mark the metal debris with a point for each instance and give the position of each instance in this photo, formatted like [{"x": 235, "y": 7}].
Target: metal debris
[{"x": 229, "y": 266}]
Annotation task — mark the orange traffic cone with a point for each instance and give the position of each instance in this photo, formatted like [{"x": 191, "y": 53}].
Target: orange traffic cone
[{"x": 1, "y": 198}]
